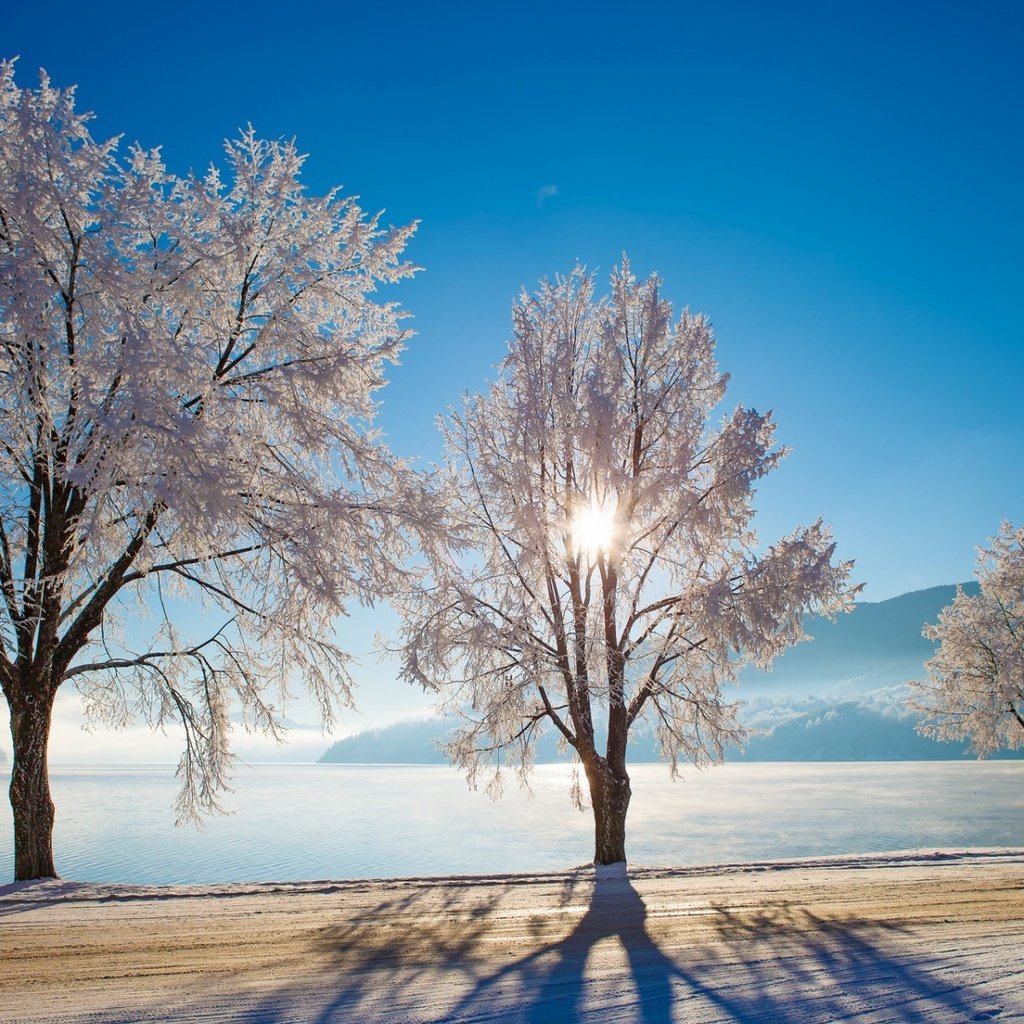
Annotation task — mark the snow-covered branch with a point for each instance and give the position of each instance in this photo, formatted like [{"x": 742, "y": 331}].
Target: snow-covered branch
[{"x": 975, "y": 685}]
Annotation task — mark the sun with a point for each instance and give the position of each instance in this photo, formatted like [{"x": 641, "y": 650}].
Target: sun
[{"x": 593, "y": 528}]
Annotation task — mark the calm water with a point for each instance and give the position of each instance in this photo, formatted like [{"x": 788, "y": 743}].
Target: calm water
[{"x": 294, "y": 822}]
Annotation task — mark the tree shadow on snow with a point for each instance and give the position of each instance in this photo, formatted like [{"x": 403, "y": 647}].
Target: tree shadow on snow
[
  {"x": 429, "y": 956},
  {"x": 20, "y": 897},
  {"x": 397, "y": 948},
  {"x": 350, "y": 970},
  {"x": 777, "y": 965},
  {"x": 787, "y": 965},
  {"x": 553, "y": 978}
]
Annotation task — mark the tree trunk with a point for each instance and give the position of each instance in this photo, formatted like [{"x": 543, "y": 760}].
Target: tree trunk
[
  {"x": 609, "y": 795},
  {"x": 30, "y": 788}
]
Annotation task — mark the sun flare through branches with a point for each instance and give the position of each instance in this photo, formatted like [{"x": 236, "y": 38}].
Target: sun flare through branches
[{"x": 592, "y": 528}]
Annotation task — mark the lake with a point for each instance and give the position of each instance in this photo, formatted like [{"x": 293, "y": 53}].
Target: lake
[{"x": 298, "y": 822}]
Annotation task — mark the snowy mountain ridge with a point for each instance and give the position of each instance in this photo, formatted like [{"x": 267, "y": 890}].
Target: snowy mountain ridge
[{"x": 837, "y": 697}]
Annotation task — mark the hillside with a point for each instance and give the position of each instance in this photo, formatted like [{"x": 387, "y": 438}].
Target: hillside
[
  {"x": 815, "y": 731},
  {"x": 837, "y": 697},
  {"x": 878, "y": 644}
]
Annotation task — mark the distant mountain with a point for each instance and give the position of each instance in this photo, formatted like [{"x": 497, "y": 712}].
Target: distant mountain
[
  {"x": 417, "y": 742},
  {"x": 877, "y": 644},
  {"x": 838, "y": 697},
  {"x": 851, "y": 731},
  {"x": 820, "y": 731}
]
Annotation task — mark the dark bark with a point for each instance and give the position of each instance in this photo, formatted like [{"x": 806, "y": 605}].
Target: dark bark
[
  {"x": 610, "y": 793},
  {"x": 30, "y": 787},
  {"x": 1016, "y": 714}
]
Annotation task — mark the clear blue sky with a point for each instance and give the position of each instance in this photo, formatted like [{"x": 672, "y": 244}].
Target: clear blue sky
[{"x": 837, "y": 186}]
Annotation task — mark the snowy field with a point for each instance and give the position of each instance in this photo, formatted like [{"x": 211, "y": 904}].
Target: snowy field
[{"x": 915, "y": 937}]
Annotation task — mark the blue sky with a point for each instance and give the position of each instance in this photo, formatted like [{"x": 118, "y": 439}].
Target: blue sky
[{"x": 837, "y": 186}]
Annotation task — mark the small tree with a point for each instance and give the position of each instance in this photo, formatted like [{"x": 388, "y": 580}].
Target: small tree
[
  {"x": 975, "y": 685},
  {"x": 603, "y": 568},
  {"x": 187, "y": 368}
]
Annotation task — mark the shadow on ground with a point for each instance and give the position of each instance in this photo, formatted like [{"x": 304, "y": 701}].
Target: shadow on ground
[
  {"x": 776, "y": 965},
  {"x": 415, "y": 959}
]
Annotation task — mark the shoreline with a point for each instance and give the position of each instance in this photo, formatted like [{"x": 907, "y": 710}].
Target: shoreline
[
  {"x": 914, "y": 856},
  {"x": 916, "y": 935}
]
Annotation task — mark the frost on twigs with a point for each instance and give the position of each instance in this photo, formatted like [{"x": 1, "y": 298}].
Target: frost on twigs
[
  {"x": 188, "y": 370},
  {"x": 603, "y": 566},
  {"x": 975, "y": 685}
]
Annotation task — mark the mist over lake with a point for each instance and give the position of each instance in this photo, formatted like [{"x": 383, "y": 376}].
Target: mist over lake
[{"x": 295, "y": 822}]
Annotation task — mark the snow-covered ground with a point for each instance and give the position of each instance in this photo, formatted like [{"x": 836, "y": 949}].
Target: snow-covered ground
[{"x": 915, "y": 937}]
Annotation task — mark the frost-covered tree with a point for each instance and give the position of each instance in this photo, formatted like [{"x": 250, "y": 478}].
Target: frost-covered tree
[
  {"x": 187, "y": 370},
  {"x": 603, "y": 568},
  {"x": 975, "y": 685}
]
